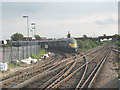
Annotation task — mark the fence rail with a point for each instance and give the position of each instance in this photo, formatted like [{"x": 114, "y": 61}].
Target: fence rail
[{"x": 8, "y": 54}]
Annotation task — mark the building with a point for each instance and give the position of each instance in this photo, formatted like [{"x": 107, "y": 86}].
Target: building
[{"x": 26, "y": 38}]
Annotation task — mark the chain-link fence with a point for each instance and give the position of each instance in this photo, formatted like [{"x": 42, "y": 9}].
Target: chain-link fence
[{"x": 18, "y": 53}]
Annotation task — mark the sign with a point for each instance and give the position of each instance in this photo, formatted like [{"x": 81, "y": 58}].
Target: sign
[
  {"x": 3, "y": 66},
  {"x": 4, "y": 42},
  {"x": 87, "y": 44},
  {"x": 46, "y": 46}
]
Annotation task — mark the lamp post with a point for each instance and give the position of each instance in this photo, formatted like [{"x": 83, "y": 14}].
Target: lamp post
[
  {"x": 25, "y": 16},
  {"x": 33, "y": 27},
  {"x": 32, "y": 33}
]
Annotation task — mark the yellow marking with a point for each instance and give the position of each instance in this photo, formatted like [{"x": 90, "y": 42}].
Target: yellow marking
[{"x": 73, "y": 45}]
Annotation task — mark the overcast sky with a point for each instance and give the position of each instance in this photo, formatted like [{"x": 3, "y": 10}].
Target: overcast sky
[{"x": 55, "y": 19}]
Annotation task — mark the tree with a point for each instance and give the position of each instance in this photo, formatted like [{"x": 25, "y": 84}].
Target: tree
[
  {"x": 17, "y": 37},
  {"x": 104, "y": 35},
  {"x": 37, "y": 37},
  {"x": 69, "y": 35},
  {"x": 85, "y": 36},
  {"x": 118, "y": 40},
  {"x": 116, "y": 37}
]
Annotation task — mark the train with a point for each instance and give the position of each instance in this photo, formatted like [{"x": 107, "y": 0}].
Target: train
[{"x": 67, "y": 44}]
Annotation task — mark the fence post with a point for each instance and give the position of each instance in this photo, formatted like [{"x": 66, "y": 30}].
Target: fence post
[
  {"x": 40, "y": 48},
  {"x": 11, "y": 53},
  {"x": 30, "y": 50},
  {"x": 7, "y": 59},
  {"x": 18, "y": 52},
  {"x": 3, "y": 54},
  {"x": 36, "y": 48},
  {"x": 23, "y": 51},
  {"x": 26, "y": 51}
]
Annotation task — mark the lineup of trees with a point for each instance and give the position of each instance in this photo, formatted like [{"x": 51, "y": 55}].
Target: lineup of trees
[
  {"x": 19, "y": 36},
  {"x": 37, "y": 37}
]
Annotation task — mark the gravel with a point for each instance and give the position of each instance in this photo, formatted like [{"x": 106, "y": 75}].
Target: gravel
[{"x": 108, "y": 77}]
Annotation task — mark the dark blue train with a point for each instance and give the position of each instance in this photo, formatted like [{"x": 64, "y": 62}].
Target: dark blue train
[{"x": 68, "y": 44}]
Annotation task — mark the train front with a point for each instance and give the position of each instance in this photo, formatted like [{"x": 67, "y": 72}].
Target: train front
[{"x": 72, "y": 44}]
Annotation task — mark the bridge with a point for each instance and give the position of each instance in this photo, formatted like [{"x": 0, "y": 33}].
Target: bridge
[{"x": 96, "y": 38}]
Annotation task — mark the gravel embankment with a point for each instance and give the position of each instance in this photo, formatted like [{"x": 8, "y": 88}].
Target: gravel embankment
[{"x": 108, "y": 77}]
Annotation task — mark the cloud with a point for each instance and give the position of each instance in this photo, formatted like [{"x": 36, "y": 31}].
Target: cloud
[
  {"x": 110, "y": 20},
  {"x": 55, "y": 19},
  {"x": 58, "y": 27}
]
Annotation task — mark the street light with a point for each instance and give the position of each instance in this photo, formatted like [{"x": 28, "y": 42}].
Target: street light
[
  {"x": 33, "y": 27},
  {"x": 31, "y": 32},
  {"x": 25, "y": 16}
]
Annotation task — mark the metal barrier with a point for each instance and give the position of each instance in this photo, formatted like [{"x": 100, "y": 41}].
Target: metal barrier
[{"x": 12, "y": 53}]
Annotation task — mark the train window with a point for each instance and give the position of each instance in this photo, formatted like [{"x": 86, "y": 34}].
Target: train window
[
  {"x": 26, "y": 43},
  {"x": 70, "y": 40},
  {"x": 38, "y": 43}
]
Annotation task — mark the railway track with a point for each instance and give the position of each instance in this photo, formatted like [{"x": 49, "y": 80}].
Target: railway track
[
  {"x": 74, "y": 62},
  {"x": 29, "y": 71},
  {"x": 57, "y": 67},
  {"x": 88, "y": 78},
  {"x": 76, "y": 70},
  {"x": 58, "y": 82},
  {"x": 31, "y": 67},
  {"x": 116, "y": 50},
  {"x": 53, "y": 75},
  {"x": 38, "y": 65},
  {"x": 90, "y": 71}
]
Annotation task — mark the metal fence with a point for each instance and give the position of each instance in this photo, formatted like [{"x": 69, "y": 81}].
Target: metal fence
[{"x": 18, "y": 53}]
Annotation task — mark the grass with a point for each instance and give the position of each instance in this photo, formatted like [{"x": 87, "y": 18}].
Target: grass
[
  {"x": 83, "y": 47},
  {"x": 91, "y": 44},
  {"x": 5, "y": 73},
  {"x": 42, "y": 52},
  {"x": 12, "y": 65}
]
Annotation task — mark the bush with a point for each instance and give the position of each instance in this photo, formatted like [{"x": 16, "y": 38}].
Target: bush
[
  {"x": 87, "y": 44},
  {"x": 12, "y": 64},
  {"x": 42, "y": 52}
]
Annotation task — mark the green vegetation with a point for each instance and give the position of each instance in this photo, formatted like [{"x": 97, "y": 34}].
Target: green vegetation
[
  {"x": 7, "y": 45},
  {"x": 42, "y": 52},
  {"x": 17, "y": 37},
  {"x": 85, "y": 37},
  {"x": 85, "y": 45},
  {"x": 118, "y": 41},
  {"x": 105, "y": 42},
  {"x": 89, "y": 44},
  {"x": 12, "y": 64},
  {"x": 69, "y": 35},
  {"x": 118, "y": 45},
  {"x": 37, "y": 37}
]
